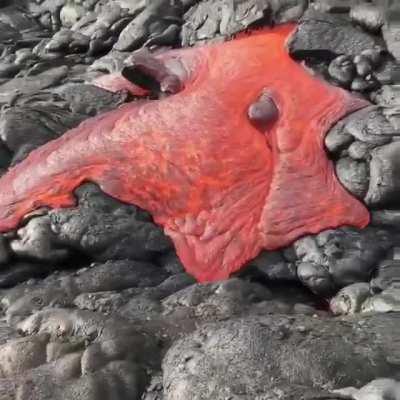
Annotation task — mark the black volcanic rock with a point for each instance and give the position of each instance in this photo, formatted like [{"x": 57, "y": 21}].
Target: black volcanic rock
[
  {"x": 353, "y": 175},
  {"x": 31, "y": 85},
  {"x": 387, "y": 275},
  {"x": 337, "y": 258},
  {"x": 210, "y": 19},
  {"x": 91, "y": 100},
  {"x": 324, "y": 35},
  {"x": 384, "y": 187},
  {"x": 277, "y": 354},
  {"x": 33, "y": 125},
  {"x": 106, "y": 229},
  {"x": 274, "y": 267},
  {"x": 369, "y": 16},
  {"x": 158, "y": 23}
]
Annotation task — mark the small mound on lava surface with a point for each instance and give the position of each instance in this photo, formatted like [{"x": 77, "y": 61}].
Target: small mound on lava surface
[{"x": 95, "y": 304}]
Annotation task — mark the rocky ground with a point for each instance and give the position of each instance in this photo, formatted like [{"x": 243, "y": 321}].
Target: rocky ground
[{"x": 94, "y": 302}]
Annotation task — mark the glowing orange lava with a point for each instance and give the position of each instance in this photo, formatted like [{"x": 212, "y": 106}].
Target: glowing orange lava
[{"x": 222, "y": 189}]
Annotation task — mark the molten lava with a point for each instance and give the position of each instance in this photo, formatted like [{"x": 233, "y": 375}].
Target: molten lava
[{"x": 222, "y": 185}]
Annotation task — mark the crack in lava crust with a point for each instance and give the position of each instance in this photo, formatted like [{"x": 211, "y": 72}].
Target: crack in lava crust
[{"x": 222, "y": 188}]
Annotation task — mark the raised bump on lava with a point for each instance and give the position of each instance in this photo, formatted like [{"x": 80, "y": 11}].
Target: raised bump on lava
[
  {"x": 263, "y": 111},
  {"x": 145, "y": 70}
]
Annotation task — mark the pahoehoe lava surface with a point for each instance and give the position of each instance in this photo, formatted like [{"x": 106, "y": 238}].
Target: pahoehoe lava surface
[{"x": 222, "y": 188}]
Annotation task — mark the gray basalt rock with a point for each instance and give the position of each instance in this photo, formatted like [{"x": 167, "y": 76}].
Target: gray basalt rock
[
  {"x": 341, "y": 257},
  {"x": 36, "y": 241},
  {"x": 350, "y": 299},
  {"x": 67, "y": 40},
  {"x": 223, "y": 299},
  {"x": 386, "y": 301},
  {"x": 369, "y": 16},
  {"x": 158, "y": 23},
  {"x": 386, "y": 275},
  {"x": 71, "y": 13},
  {"x": 171, "y": 263},
  {"x": 353, "y": 175},
  {"x": 378, "y": 389},
  {"x": 356, "y": 253},
  {"x": 91, "y": 100},
  {"x": 111, "y": 62},
  {"x": 210, "y": 19},
  {"x": 274, "y": 267},
  {"x": 370, "y": 125},
  {"x": 16, "y": 272},
  {"x": 31, "y": 85},
  {"x": 384, "y": 186},
  {"x": 105, "y": 229},
  {"x": 391, "y": 28},
  {"x": 276, "y": 353},
  {"x": 328, "y": 35},
  {"x": 8, "y": 34},
  {"x": 206, "y": 20},
  {"x": 342, "y": 70},
  {"x": 77, "y": 354},
  {"x": 360, "y": 151},
  {"x": 64, "y": 290},
  {"x": 338, "y": 139},
  {"x": 332, "y": 6},
  {"x": 317, "y": 278},
  {"x": 287, "y": 10},
  {"x": 25, "y": 128},
  {"x": 365, "y": 146}
]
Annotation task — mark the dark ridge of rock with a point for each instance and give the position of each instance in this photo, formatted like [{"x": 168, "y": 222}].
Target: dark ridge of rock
[
  {"x": 19, "y": 272},
  {"x": 326, "y": 36}
]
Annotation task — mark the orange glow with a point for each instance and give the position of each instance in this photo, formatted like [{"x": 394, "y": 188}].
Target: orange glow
[{"x": 222, "y": 189}]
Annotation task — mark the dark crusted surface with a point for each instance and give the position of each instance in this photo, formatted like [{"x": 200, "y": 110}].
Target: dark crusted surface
[{"x": 94, "y": 302}]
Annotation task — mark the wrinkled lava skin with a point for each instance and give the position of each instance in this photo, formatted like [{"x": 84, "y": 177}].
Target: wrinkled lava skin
[{"x": 222, "y": 189}]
